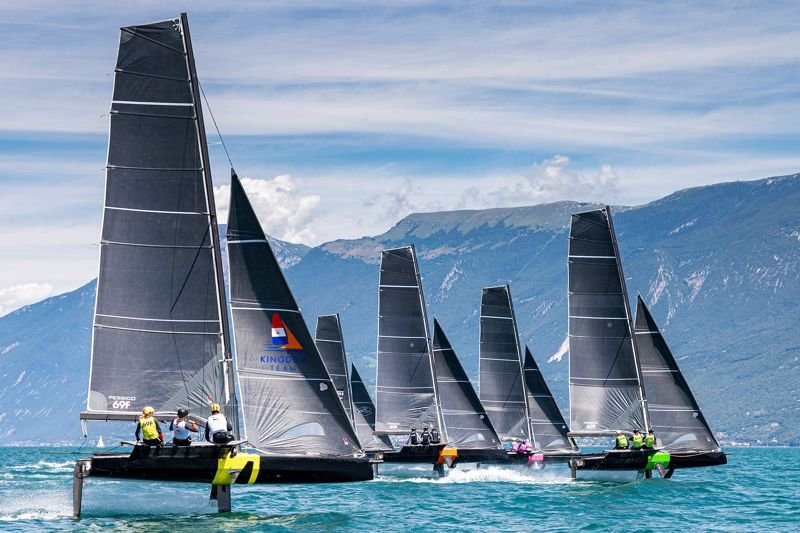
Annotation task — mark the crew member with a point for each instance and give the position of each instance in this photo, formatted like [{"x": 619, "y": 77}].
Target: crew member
[
  {"x": 650, "y": 440},
  {"x": 217, "y": 427},
  {"x": 426, "y": 436},
  {"x": 181, "y": 428},
  {"x": 637, "y": 440},
  {"x": 515, "y": 444},
  {"x": 413, "y": 437},
  {"x": 621, "y": 442},
  {"x": 435, "y": 439},
  {"x": 149, "y": 428}
]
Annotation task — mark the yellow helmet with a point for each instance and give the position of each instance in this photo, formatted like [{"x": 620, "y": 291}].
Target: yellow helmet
[
  {"x": 215, "y": 408},
  {"x": 148, "y": 410}
]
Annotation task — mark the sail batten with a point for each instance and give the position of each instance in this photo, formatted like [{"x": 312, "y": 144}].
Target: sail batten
[
  {"x": 467, "y": 423},
  {"x": 405, "y": 387},
  {"x": 502, "y": 388},
  {"x": 677, "y": 420},
  {"x": 289, "y": 402},
  {"x": 158, "y": 332},
  {"x": 605, "y": 386}
]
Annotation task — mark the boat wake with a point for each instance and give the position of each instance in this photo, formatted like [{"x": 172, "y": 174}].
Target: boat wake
[
  {"x": 490, "y": 474},
  {"x": 47, "y": 505}
]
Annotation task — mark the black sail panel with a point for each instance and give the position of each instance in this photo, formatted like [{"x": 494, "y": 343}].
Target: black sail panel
[
  {"x": 289, "y": 403},
  {"x": 605, "y": 392},
  {"x": 468, "y": 425},
  {"x": 502, "y": 391},
  {"x": 549, "y": 428},
  {"x": 364, "y": 416},
  {"x": 331, "y": 347},
  {"x": 157, "y": 335},
  {"x": 677, "y": 421},
  {"x": 405, "y": 395}
]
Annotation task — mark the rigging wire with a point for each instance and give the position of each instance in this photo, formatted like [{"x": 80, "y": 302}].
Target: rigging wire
[{"x": 214, "y": 120}]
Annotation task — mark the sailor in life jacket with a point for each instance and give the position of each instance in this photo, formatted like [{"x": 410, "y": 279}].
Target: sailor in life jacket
[
  {"x": 528, "y": 447},
  {"x": 515, "y": 446},
  {"x": 621, "y": 442},
  {"x": 435, "y": 439},
  {"x": 181, "y": 428},
  {"x": 149, "y": 428},
  {"x": 217, "y": 426},
  {"x": 637, "y": 440},
  {"x": 426, "y": 437},
  {"x": 650, "y": 440},
  {"x": 413, "y": 437}
]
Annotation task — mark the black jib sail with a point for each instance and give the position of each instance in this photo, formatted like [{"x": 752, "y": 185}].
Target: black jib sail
[
  {"x": 160, "y": 332},
  {"x": 406, "y": 391},
  {"x": 677, "y": 420},
  {"x": 467, "y": 424},
  {"x": 502, "y": 390},
  {"x": 331, "y": 347},
  {"x": 605, "y": 386},
  {"x": 289, "y": 403},
  {"x": 364, "y": 417},
  {"x": 549, "y": 428}
]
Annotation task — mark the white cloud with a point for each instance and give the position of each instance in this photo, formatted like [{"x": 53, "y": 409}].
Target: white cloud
[
  {"x": 12, "y": 298},
  {"x": 548, "y": 181},
  {"x": 282, "y": 208}
]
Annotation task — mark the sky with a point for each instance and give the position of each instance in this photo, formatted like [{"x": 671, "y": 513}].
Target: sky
[{"x": 344, "y": 117}]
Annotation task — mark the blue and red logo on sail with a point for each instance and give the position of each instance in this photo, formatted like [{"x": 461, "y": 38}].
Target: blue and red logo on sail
[{"x": 282, "y": 337}]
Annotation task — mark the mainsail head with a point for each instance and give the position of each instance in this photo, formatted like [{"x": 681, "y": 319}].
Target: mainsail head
[
  {"x": 364, "y": 416},
  {"x": 677, "y": 421},
  {"x": 467, "y": 424},
  {"x": 331, "y": 347},
  {"x": 605, "y": 389},
  {"x": 549, "y": 428},
  {"x": 405, "y": 393},
  {"x": 159, "y": 335},
  {"x": 289, "y": 403},
  {"x": 502, "y": 390}
]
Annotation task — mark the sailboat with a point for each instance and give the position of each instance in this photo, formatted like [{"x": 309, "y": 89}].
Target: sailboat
[
  {"x": 329, "y": 341},
  {"x": 406, "y": 394},
  {"x": 468, "y": 426},
  {"x": 607, "y": 384},
  {"x": 517, "y": 399},
  {"x": 100, "y": 443},
  {"x": 160, "y": 332},
  {"x": 364, "y": 418}
]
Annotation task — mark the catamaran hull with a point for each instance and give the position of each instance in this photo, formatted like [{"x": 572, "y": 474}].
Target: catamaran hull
[
  {"x": 482, "y": 455},
  {"x": 215, "y": 465},
  {"x": 638, "y": 461},
  {"x": 698, "y": 459},
  {"x": 415, "y": 454}
]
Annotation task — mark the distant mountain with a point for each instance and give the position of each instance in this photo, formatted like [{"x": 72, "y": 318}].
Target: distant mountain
[{"x": 719, "y": 266}]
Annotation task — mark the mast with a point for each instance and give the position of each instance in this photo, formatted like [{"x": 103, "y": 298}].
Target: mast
[
  {"x": 227, "y": 359},
  {"x": 645, "y": 411}
]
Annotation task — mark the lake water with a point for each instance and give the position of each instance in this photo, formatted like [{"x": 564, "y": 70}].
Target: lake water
[{"x": 760, "y": 487}]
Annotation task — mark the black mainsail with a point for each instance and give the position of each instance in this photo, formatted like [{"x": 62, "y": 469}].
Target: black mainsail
[
  {"x": 677, "y": 420},
  {"x": 364, "y": 417},
  {"x": 160, "y": 331},
  {"x": 405, "y": 389},
  {"x": 606, "y": 392},
  {"x": 467, "y": 424},
  {"x": 289, "y": 403},
  {"x": 549, "y": 428},
  {"x": 502, "y": 390},
  {"x": 330, "y": 344}
]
